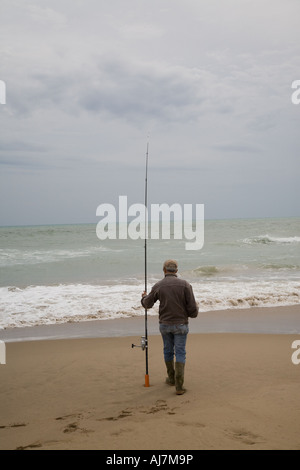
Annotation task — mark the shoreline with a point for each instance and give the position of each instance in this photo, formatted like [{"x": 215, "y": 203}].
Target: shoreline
[{"x": 254, "y": 320}]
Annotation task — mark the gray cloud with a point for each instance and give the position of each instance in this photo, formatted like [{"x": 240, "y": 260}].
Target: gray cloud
[
  {"x": 18, "y": 146},
  {"x": 88, "y": 80},
  {"x": 239, "y": 147},
  {"x": 20, "y": 163},
  {"x": 144, "y": 90}
]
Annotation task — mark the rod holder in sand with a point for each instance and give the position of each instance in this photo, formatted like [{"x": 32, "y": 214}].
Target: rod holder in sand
[{"x": 144, "y": 347}]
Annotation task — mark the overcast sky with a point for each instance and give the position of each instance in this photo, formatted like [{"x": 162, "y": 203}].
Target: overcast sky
[{"x": 88, "y": 80}]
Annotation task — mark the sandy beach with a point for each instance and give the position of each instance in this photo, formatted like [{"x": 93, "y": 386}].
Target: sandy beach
[{"x": 89, "y": 393}]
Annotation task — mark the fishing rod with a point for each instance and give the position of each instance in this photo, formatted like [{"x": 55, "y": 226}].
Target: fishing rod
[{"x": 144, "y": 339}]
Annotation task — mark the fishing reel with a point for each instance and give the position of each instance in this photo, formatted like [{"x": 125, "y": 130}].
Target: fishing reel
[{"x": 143, "y": 343}]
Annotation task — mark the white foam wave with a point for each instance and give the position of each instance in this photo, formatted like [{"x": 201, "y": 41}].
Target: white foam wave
[
  {"x": 40, "y": 305},
  {"x": 225, "y": 295},
  {"x": 265, "y": 239}
]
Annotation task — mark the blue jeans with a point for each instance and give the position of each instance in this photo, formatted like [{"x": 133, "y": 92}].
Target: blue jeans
[{"x": 174, "y": 339}]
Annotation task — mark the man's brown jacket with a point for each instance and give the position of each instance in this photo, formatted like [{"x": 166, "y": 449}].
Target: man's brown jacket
[{"x": 177, "y": 301}]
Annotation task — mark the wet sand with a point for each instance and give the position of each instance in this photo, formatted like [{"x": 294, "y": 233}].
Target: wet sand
[{"x": 276, "y": 320}]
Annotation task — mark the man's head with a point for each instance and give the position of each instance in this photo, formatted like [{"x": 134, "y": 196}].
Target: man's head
[{"x": 170, "y": 266}]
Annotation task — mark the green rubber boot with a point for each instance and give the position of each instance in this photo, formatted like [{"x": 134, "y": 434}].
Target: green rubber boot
[
  {"x": 170, "y": 380},
  {"x": 179, "y": 378}
]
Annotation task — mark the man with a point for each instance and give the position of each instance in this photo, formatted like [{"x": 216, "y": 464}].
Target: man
[{"x": 177, "y": 304}]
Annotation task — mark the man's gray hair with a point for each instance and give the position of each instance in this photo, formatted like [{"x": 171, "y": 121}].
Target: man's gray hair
[{"x": 171, "y": 266}]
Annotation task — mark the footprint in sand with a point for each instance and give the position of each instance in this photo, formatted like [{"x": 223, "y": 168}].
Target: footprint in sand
[
  {"x": 16, "y": 425},
  {"x": 35, "y": 445},
  {"x": 244, "y": 436},
  {"x": 71, "y": 427}
]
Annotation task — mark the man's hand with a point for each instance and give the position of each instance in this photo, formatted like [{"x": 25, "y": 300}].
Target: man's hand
[{"x": 144, "y": 294}]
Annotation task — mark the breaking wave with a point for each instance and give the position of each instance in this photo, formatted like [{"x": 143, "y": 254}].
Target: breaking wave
[
  {"x": 41, "y": 305},
  {"x": 266, "y": 239},
  {"x": 205, "y": 271}
]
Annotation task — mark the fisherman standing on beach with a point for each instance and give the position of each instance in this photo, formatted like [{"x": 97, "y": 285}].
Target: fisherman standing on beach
[{"x": 177, "y": 304}]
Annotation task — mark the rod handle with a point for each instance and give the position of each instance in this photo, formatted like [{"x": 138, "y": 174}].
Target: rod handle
[{"x": 147, "y": 383}]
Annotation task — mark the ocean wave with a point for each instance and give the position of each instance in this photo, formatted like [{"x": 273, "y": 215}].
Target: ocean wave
[
  {"x": 211, "y": 271},
  {"x": 11, "y": 257},
  {"x": 266, "y": 239},
  {"x": 205, "y": 271},
  {"x": 280, "y": 267},
  {"x": 225, "y": 295},
  {"x": 42, "y": 305}
]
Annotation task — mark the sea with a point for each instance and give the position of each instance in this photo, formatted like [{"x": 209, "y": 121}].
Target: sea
[{"x": 64, "y": 273}]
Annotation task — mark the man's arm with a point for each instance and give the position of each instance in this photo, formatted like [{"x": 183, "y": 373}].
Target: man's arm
[
  {"x": 191, "y": 304},
  {"x": 149, "y": 300}
]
